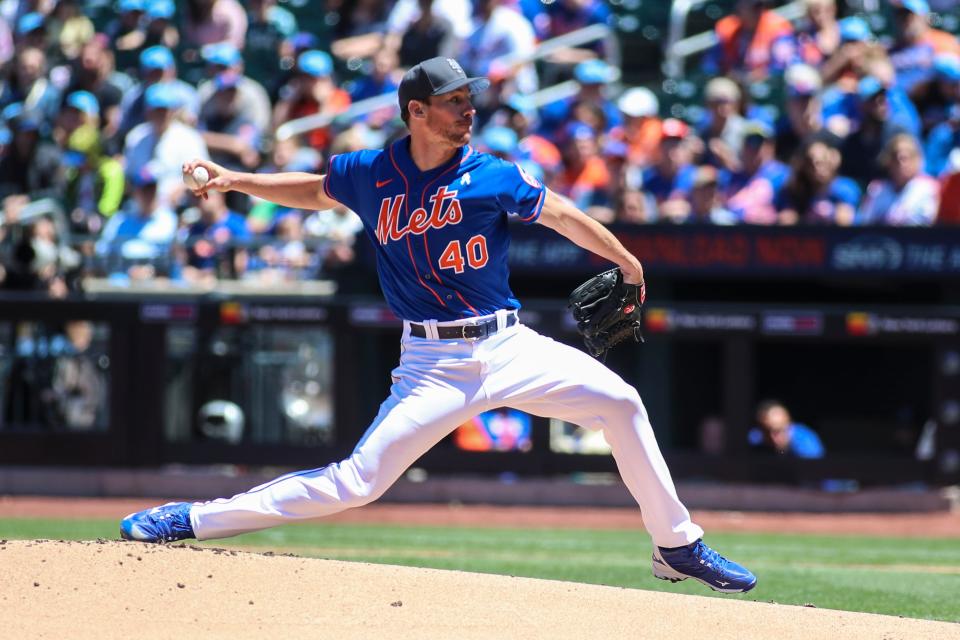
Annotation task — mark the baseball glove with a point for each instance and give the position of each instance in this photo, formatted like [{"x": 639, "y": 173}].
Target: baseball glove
[{"x": 607, "y": 311}]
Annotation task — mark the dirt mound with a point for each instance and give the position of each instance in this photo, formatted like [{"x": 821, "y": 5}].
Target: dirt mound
[{"x": 111, "y": 589}]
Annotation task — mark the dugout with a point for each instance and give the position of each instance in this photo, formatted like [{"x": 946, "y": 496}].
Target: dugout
[{"x": 127, "y": 378}]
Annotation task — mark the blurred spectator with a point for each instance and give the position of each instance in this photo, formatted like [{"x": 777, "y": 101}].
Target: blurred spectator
[
  {"x": 211, "y": 21},
  {"x": 157, "y": 66},
  {"x": 288, "y": 155},
  {"x": 856, "y": 39},
  {"x": 160, "y": 29},
  {"x": 751, "y": 191},
  {"x": 231, "y": 136},
  {"x": 745, "y": 41},
  {"x": 843, "y": 107},
  {"x": 215, "y": 244},
  {"x": 623, "y": 176},
  {"x": 290, "y": 50},
  {"x": 358, "y": 27},
  {"x": 816, "y": 39},
  {"x": 286, "y": 256},
  {"x": 874, "y": 129},
  {"x": 777, "y": 431},
  {"x": 500, "y": 32},
  {"x": 6, "y": 43},
  {"x": 670, "y": 179},
  {"x": 592, "y": 104},
  {"x": 803, "y": 114},
  {"x": 125, "y": 35},
  {"x": 39, "y": 260},
  {"x": 722, "y": 130},
  {"x": 429, "y": 35},
  {"x": 520, "y": 115},
  {"x": 383, "y": 77},
  {"x": 916, "y": 44},
  {"x": 163, "y": 140},
  {"x": 142, "y": 231},
  {"x": 69, "y": 28},
  {"x": 943, "y": 139},
  {"x": 94, "y": 72},
  {"x": 903, "y": 112},
  {"x": 815, "y": 193},
  {"x": 267, "y": 26},
  {"x": 30, "y": 166},
  {"x": 423, "y": 29},
  {"x": 641, "y": 126},
  {"x": 126, "y": 20},
  {"x": 935, "y": 98},
  {"x": 252, "y": 98},
  {"x": 79, "y": 109},
  {"x": 500, "y": 141},
  {"x": 907, "y": 196},
  {"x": 94, "y": 181},
  {"x": 706, "y": 205},
  {"x": 77, "y": 394},
  {"x": 636, "y": 207},
  {"x": 312, "y": 91},
  {"x": 585, "y": 179},
  {"x": 32, "y": 32},
  {"x": 554, "y": 19},
  {"x": 26, "y": 82},
  {"x": 339, "y": 226},
  {"x": 589, "y": 105}
]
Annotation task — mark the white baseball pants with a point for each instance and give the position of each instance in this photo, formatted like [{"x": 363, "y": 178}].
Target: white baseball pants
[{"x": 440, "y": 384}]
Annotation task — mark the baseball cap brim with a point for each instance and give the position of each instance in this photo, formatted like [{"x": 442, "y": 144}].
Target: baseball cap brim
[
  {"x": 476, "y": 85},
  {"x": 435, "y": 77}
]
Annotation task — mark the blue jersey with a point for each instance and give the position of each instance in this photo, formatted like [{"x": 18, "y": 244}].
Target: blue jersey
[
  {"x": 441, "y": 236},
  {"x": 804, "y": 441}
]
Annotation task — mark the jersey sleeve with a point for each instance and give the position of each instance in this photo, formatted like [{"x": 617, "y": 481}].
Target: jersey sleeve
[
  {"x": 522, "y": 195},
  {"x": 349, "y": 177}
]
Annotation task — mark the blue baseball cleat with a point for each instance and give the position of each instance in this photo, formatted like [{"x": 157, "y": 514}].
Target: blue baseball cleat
[
  {"x": 167, "y": 523},
  {"x": 700, "y": 562}
]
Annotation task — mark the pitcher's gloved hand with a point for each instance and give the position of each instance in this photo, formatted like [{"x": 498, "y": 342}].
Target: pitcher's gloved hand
[{"x": 607, "y": 311}]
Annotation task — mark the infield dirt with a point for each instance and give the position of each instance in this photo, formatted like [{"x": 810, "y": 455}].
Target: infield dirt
[{"x": 111, "y": 589}]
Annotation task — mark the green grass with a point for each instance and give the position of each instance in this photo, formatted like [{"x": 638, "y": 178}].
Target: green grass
[{"x": 918, "y": 578}]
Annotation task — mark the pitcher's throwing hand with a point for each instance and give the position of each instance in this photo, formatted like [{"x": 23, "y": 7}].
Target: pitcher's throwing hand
[{"x": 202, "y": 175}]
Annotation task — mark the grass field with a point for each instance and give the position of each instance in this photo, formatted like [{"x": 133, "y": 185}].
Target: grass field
[{"x": 918, "y": 578}]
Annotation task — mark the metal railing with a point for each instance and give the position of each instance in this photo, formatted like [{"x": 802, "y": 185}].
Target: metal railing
[
  {"x": 559, "y": 91},
  {"x": 678, "y": 48}
]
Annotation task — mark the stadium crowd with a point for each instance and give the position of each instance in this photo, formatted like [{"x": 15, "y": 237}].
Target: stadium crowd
[{"x": 102, "y": 102}]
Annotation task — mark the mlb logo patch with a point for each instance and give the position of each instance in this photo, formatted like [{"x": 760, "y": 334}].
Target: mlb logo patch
[{"x": 529, "y": 179}]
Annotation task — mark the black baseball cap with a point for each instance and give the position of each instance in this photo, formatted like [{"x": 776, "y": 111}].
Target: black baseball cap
[{"x": 434, "y": 77}]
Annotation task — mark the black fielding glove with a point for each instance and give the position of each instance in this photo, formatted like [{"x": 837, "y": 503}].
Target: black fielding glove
[{"x": 607, "y": 311}]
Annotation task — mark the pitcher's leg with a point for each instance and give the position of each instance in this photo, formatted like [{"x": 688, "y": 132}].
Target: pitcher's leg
[
  {"x": 548, "y": 378},
  {"x": 407, "y": 426},
  {"x": 645, "y": 472}
]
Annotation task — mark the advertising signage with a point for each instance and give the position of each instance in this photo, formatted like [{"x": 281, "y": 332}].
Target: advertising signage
[{"x": 753, "y": 251}]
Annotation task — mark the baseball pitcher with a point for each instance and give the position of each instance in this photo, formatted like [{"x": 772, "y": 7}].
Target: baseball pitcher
[{"x": 438, "y": 212}]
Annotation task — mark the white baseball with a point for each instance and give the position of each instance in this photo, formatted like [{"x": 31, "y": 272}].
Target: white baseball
[{"x": 197, "y": 179}]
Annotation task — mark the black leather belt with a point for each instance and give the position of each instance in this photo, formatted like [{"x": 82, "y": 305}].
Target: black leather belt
[{"x": 476, "y": 331}]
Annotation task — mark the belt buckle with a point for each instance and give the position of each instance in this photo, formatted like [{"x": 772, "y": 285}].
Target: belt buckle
[{"x": 463, "y": 332}]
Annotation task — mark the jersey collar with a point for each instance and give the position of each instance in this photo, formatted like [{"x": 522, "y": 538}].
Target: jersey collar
[{"x": 401, "y": 154}]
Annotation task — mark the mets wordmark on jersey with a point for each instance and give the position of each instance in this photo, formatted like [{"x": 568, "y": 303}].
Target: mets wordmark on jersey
[{"x": 441, "y": 235}]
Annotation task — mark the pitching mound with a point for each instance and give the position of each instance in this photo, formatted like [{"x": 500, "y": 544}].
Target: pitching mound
[{"x": 129, "y": 590}]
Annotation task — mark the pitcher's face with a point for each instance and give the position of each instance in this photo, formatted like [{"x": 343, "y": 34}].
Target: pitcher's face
[{"x": 450, "y": 116}]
